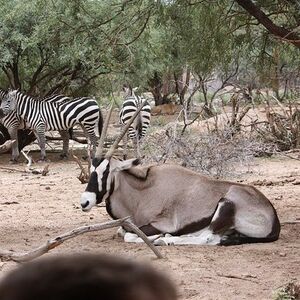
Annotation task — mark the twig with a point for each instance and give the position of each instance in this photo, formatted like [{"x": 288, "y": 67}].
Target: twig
[
  {"x": 290, "y": 222},
  {"x": 53, "y": 243},
  {"x": 141, "y": 234},
  {"x": 13, "y": 170},
  {"x": 7, "y": 146},
  {"x": 291, "y": 157},
  {"x": 84, "y": 175},
  {"x": 29, "y": 159},
  {"x": 238, "y": 277},
  {"x": 45, "y": 170}
]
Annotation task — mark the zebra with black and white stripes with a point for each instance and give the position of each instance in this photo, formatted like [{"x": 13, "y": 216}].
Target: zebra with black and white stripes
[
  {"x": 44, "y": 115},
  {"x": 13, "y": 122},
  {"x": 138, "y": 129}
]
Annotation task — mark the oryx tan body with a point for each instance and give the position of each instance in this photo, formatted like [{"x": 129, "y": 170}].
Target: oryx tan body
[{"x": 170, "y": 197}]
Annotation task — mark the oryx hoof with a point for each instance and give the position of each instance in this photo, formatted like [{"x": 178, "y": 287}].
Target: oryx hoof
[
  {"x": 162, "y": 242},
  {"x": 121, "y": 231}
]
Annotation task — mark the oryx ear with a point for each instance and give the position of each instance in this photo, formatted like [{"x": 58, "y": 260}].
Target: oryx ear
[{"x": 117, "y": 165}]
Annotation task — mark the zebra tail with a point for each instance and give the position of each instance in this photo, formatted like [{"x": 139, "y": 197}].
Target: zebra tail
[
  {"x": 100, "y": 124},
  {"x": 139, "y": 127}
]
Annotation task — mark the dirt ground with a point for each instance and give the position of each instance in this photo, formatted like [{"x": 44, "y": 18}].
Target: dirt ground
[{"x": 34, "y": 208}]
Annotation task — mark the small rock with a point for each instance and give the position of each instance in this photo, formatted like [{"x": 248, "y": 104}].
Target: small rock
[
  {"x": 282, "y": 254},
  {"x": 47, "y": 188},
  {"x": 278, "y": 197},
  {"x": 297, "y": 182},
  {"x": 268, "y": 183}
]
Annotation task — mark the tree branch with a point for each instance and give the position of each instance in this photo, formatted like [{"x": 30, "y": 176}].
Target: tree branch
[
  {"x": 54, "y": 242},
  {"x": 274, "y": 29}
]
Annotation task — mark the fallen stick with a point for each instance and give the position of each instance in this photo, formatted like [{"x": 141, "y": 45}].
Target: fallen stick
[
  {"x": 84, "y": 175},
  {"x": 13, "y": 170},
  {"x": 290, "y": 222},
  {"x": 244, "y": 277},
  {"x": 43, "y": 172},
  {"x": 53, "y": 243}
]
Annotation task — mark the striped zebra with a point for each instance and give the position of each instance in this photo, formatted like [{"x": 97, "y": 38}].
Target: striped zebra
[
  {"x": 13, "y": 122},
  {"x": 139, "y": 127},
  {"x": 46, "y": 115}
]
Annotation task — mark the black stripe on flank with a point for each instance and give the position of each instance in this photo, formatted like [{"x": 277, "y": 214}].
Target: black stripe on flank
[
  {"x": 194, "y": 226},
  {"x": 225, "y": 219}
]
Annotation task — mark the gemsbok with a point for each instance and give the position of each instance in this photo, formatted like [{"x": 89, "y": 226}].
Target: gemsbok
[{"x": 175, "y": 205}]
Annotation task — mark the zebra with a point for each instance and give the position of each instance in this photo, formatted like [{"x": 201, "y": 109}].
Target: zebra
[
  {"x": 13, "y": 122},
  {"x": 43, "y": 115},
  {"x": 138, "y": 129}
]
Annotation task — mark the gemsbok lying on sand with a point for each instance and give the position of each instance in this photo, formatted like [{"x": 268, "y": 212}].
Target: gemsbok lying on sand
[{"x": 175, "y": 205}]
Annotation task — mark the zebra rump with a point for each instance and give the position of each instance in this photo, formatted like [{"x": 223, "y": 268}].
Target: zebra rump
[{"x": 138, "y": 129}]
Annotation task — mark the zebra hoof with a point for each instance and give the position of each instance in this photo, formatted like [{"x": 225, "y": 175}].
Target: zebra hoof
[
  {"x": 63, "y": 156},
  {"x": 44, "y": 160},
  {"x": 13, "y": 161}
]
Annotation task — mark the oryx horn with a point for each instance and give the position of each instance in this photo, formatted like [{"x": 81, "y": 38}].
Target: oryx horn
[
  {"x": 103, "y": 134},
  {"x": 112, "y": 149}
]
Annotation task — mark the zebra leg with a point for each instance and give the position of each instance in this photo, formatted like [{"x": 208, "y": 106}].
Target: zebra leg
[
  {"x": 65, "y": 136},
  {"x": 91, "y": 135},
  {"x": 13, "y": 132},
  {"x": 40, "y": 134}
]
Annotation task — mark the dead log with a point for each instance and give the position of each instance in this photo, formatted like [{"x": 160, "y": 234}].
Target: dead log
[
  {"x": 25, "y": 137},
  {"x": 7, "y": 146}
]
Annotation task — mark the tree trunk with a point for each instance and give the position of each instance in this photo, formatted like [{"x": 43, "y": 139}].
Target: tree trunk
[
  {"x": 25, "y": 137},
  {"x": 155, "y": 84}
]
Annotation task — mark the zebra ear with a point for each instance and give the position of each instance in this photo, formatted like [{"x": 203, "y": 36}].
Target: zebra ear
[{"x": 127, "y": 90}]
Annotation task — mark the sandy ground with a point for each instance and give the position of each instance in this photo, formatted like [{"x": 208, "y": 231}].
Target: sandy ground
[{"x": 34, "y": 208}]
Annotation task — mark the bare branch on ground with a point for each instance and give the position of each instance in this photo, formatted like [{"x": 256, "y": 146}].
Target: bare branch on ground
[{"x": 54, "y": 242}]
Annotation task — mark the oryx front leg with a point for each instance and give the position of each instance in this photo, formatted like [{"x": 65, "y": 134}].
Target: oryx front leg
[
  {"x": 151, "y": 232},
  {"x": 134, "y": 238},
  {"x": 202, "y": 237}
]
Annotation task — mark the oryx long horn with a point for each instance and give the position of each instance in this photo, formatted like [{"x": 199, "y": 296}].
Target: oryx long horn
[
  {"x": 112, "y": 149},
  {"x": 104, "y": 132}
]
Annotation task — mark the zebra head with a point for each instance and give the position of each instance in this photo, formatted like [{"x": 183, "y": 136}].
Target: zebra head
[
  {"x": 9, "y": 102},
  {"x": 129, "y": 91},
  {"x": 102, "y": 180}
]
